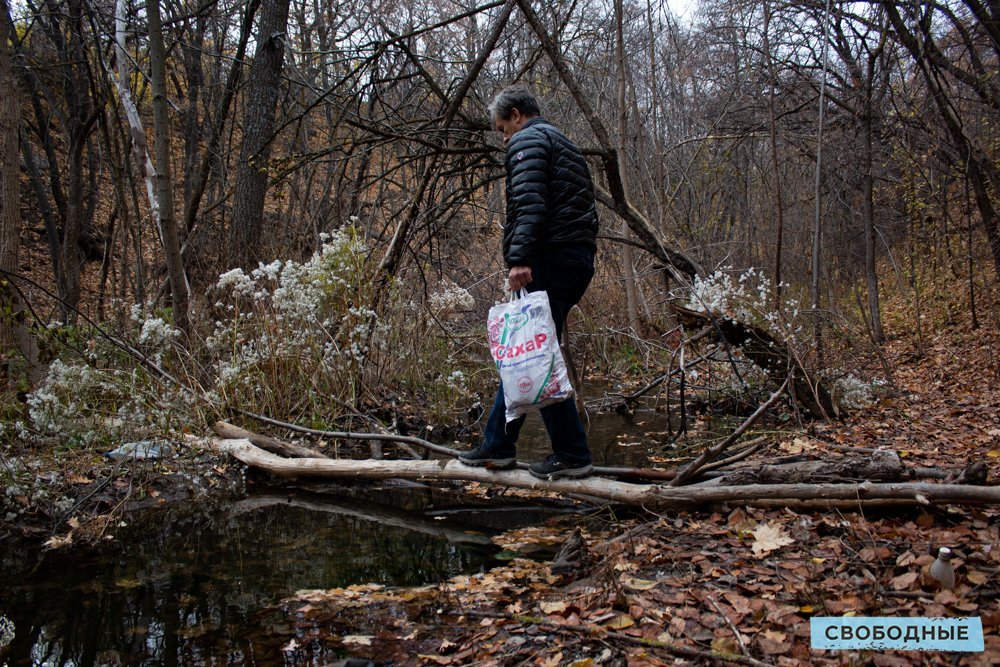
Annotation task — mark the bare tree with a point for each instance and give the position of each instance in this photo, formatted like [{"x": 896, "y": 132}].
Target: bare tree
[
  {"x": 164, "y": 182},
  {"x": 258, "y": 130},
  {"x": 13, "y": 331}
]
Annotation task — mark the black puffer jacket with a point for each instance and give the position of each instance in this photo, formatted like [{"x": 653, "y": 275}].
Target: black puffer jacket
[{"x": 550, "y": 196}]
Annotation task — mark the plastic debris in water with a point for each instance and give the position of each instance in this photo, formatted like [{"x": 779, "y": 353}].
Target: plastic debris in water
[{"x": 143, "y": 449}]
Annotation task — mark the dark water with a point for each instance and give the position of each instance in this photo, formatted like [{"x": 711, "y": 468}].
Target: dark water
[
  {"x": 191, "y": 585},
  {"x": 197, "y": 584}
]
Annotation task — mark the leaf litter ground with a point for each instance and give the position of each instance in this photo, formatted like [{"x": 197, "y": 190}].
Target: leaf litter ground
[{"x": 735, "y": 584}]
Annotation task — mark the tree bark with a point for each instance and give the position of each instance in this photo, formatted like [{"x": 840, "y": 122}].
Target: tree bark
[
  {"x": 881, "y": 466},
  {"x": 272, "y": 445},
  {"x": 258, "y": 130},
  {"x": 627, "y": 260},
  {"x": 164, "y": 182},
  {"x": 196, "y": 187},
  {"x": 779, "y": 204},
  {"x": 982, "y": 173},
  {"x": 10, "y": 214}
]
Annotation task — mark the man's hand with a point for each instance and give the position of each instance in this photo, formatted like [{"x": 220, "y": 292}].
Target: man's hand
[{"x": 519, "y": 277}]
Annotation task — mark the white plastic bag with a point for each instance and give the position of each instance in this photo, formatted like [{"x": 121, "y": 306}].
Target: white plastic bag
[{"x": 525, "y": 347}]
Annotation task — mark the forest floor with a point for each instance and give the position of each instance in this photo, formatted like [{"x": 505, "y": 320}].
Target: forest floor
[
  {"x": 734, "y": 584},
  {"x": 730, "y": 584}
]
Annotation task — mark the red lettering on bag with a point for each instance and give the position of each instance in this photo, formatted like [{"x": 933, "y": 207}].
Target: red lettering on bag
[{"x": 511, "y": 351}]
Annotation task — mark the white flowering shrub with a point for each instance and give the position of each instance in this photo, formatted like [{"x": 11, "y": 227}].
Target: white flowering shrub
[
  {"x": 450, "y": 301},
  {"x": 290, "y": 335},
  {"x": 6, "y": 631},
  {"x": 83, "y": 405},
  {"x": 746, "y": 297},
  {"x": 295, "y": 340},
  {"x": 853, "y": 393}
]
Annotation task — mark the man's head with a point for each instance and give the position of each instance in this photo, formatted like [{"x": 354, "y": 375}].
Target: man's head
[{"x": 511, "y": 109}]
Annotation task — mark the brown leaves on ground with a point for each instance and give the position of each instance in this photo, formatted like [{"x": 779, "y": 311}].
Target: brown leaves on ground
[
  {"x": 686, "y": 583},
  {"x": 739, "y": 584}
]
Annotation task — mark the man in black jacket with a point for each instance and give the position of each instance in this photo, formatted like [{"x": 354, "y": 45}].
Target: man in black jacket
[{"x": 549, "y": 242}]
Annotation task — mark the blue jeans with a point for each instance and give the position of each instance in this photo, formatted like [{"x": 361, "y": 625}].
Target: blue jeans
[{"x": 565, "y": 274}]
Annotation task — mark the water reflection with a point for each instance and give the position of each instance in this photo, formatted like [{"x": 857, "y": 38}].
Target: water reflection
[{"x": 185, "y": 585}]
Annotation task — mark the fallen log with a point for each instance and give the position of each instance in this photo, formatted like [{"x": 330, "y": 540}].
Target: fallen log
[
  {"x": 659, "y": 496},
  {"x": 882, "y": 465},
  {"x": 230, "y": 432},
  {"x": 267, "y": 443}
]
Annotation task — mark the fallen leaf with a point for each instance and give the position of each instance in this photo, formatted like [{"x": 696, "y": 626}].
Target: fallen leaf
[
  {"x": 769, "y": 537},
  {"x": 637, "y": 584},
  {"x": 977, "y": 577},
  {"x": 553, "y": 607},
  {"x": 903, "y": 581},
  {"x": 619, "y": 622},
  {"x": 552, "y": 661},
  {"x": 74, "y": 523},
  {"x": 57, "y": 542},
  {"x": 725, "y": 646},
  {"x": 363, "y": 640}
]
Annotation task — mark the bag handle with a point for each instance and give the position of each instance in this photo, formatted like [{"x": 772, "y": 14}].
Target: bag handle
[{"x": 519, "y": 294}]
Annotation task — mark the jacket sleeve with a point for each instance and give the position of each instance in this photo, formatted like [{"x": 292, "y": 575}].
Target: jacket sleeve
[{"x": 528, "y": 158}]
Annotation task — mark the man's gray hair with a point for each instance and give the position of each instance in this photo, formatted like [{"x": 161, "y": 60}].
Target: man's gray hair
[{"x": 514, "y": 97}]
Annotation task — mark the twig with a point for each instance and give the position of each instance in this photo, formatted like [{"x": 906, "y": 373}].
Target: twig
[
  {"x": 739, "y": 636},
  {"x": 753, "y": 447},
  {"x": 706, "y": 456},
  {"x": 347, "y": 435}
]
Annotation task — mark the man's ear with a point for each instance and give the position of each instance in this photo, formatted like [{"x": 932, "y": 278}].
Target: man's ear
[{"x": 516, "y": 115}]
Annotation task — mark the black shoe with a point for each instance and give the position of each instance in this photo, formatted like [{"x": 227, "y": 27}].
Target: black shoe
[
  {"x": 485, "y": 456},
  {"x": 554, "y": 467}
]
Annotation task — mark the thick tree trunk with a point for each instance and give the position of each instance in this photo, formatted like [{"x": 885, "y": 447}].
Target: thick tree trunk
[
  {"x": 258, "y": 130},
  {"x": 627, "y": 260},
  {"x": 13, "y": 332},
  {"x": 770, "y": 354},
  {"x": 266, "y": 443},
  {"x": 10, "y": 214}
]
